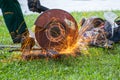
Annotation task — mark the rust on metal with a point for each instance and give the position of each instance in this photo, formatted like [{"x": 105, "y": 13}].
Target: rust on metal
[{"x": 54, "y": 27}]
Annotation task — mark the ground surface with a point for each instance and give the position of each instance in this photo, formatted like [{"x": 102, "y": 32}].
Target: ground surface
[{"x": 100, "y": 64}]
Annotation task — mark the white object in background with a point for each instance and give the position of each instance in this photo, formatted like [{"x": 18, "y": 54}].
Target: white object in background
[
  {"x": 110, "y": 17},
  {"x": 31, "y": 34}
]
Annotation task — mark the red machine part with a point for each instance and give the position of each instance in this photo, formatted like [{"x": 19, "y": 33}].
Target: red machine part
[{"x": 54, "y": 27}]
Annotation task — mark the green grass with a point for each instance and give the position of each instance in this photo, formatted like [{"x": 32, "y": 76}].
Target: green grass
[{"x": 101, "y": 64}]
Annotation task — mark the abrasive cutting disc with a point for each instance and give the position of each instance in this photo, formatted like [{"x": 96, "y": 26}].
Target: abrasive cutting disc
[{"x": 55, "y": 29}]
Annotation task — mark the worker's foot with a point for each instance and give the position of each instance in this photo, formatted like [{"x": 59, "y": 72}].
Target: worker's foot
[{"x": 17, "y": 39}]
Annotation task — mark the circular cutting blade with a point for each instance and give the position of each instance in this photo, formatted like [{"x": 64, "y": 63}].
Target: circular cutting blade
[{"x": 55, "y": 29}]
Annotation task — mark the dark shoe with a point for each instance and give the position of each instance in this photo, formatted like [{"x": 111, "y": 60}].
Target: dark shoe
[{"x": 17, "y": 39}]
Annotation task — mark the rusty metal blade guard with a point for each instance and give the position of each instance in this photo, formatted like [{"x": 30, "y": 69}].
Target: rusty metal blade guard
[{"x": 56, "y": 29}]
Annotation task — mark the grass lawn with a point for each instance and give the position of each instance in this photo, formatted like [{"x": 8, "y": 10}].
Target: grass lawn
[{"x": 101, "y": 64}]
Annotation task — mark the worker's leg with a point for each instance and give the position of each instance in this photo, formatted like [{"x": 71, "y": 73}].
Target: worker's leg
[{"x": 14, "y": 19}]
